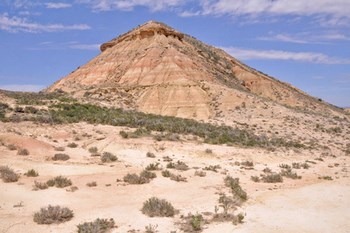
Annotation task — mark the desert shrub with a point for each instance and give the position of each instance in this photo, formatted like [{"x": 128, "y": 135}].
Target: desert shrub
[
  {"x": 108, "y": 157},
  {"x": 167, "y": 159},
  {"x": 8, "y": 175},
  {"x": 151, "y": 228},
  {"x": 325, "y": 178},
  {"x": 197, "y": 222},
  {"x": 92, "y": 184},
  {"x": 143, "y": 178},
  {"x": 267, "y": 170},
  {"x": 31, "y": 173},
  {"x": 60, "y": 156},
  {"x": 166, "y": 173},
  {"x": 150, "y": 155},
  {"x": 59, "y": 182},
  {"x": 179, "y": 165},
  {"x": 178, "y": 178},
  {"x": 22, "y": 152},
  {"x": 300, "y": 165},
  {"x": 11, "y": 147},
  {"x": 272, "y": 178},
  {"x": 124, "y": 134},
  {"x": 53, "y": 214},
  {"x": 155, "y": 207},
  {"x": 148, "y": 174},
  {"x": 97, "y": 226},
  {"x": 60, "y": 148},
  {"x": 213, "y": 168},
  {"x": 255, "y": 178},
  {"x": 153, "y": 167},
  {"x": 200, "y": 173},
  {"x": 247, "y": 163},
  {"x": 285, "y": 166},
  {"x": 39, "y": 185},
  {"x": 289, "y": 174},
  {"x": 72, "y": 145},
  {"x": 93, "y": 150},
  {"x": 236, "y": 189},
  {"x": 208, "y": 151}
]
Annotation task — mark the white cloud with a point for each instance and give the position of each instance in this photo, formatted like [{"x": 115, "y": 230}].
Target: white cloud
[
  {"x": 153, "y": 5},
  {"x": 17, "y": 87},
  {"x": 17, "y": 24},
  {"x": 250, "y": 54},
  {"x": 85, "y": 46},
  {"x": 58, "y": 5},
  {"x": 278, "y": 7},
  {"x": 306, "y": 37}
]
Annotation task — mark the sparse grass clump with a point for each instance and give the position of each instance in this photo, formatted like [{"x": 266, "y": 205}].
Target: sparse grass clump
[
  {"x": 213, "y": 168},
  {"x": 23, "y": 152},
  {"x": 255, "y": 178},
  {"x": 179, "y": 165},
  {"x": 166, "y": 173},
  {"x": 93, "y": 150},
  {"x": 155, "y": 207},
  {"x": 72, "y": 145},
  {"x": 289, "y": 174},
  {"x": 60, "y": 148},
  {"x": 59, "y": 182},
  {"x": 200, "y": 173},
  {"x": 178, "y": 178},
  {"x": 325, "y": 178},
  {"x": 247, "y": 163},
  {"x": 97, "y": 226},
  {"x": 108, "y": 157},
  {"x": 150, "y": 155},
  {"x": 53, "y": 214},
  {"x": 8, "y": 175},
  {"x": 92, "y": 184},
  {"x": 11, "y": 147},
  {"x": 153, "y": 167},
  {"x": 61, "y": 157},
  {"x": 300, "y": 165},
  {"x": 272, "y": 178},
  {"x": 40, "y": 186},
  {"x": 143, "y": 178},
  {"x": 236, "y": 189},
  {"x": 31, "y": 173}
]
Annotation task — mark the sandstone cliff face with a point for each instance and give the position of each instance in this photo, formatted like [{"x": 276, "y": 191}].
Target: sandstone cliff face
[{"x": 156, "y": 69}]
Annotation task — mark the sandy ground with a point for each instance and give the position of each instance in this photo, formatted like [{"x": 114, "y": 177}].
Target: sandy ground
[{"x": 309, "y": 204}]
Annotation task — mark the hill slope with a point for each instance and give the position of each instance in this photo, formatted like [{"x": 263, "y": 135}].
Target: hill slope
[{"x": 156, "y": 69}]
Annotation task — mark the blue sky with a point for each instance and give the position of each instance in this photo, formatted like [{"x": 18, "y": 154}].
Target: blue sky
[{"x": 302, "y": 42}]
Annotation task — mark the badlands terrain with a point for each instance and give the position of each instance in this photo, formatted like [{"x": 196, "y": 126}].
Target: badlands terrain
[{"x": 216, "y": 145}]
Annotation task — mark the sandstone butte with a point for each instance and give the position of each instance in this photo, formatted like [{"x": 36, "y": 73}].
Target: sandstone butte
[{"x": 156, "y": 69}]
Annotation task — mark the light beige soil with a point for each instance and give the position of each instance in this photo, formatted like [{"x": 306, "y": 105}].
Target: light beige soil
[{"x": 306, "y": 205}]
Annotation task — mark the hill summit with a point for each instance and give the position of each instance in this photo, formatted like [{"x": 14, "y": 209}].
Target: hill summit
[{"x": 156, "y": 69}]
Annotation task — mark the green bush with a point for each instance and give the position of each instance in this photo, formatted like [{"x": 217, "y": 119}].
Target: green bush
[
  {"x": 97, "y": 226},
  {"x": 53, "y": 214},
  {"x": 155, "y": 207}
]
